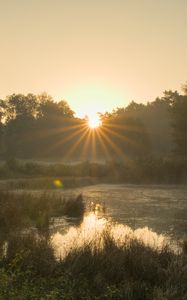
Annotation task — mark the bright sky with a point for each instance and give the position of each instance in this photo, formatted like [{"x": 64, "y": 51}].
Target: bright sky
[{"x": 96, "y": 54}]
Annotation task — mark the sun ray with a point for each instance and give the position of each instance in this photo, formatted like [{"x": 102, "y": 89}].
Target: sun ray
[
  {"x": 73, "y": 147},
  {"x": 66, "y": 139},
  {"x": 106, "y": 152},
  {"x": 120, "y": 136},
  {"x": 104, "y": 147},
  {"x": 122, "y": 126},
  {"x": 85, "y": 146},
  {"x": 93, "y": 144},
  {"x": 51, "y": 132},
  {"x": 115, "y": 148}
]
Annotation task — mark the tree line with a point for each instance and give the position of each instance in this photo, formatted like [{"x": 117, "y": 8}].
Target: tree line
[{"x": 36, "y": 126}]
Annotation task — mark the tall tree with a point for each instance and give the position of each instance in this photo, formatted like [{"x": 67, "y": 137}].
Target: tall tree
[
  {"x": 179, "y": 112},
  {"x": 125, "y": 135}
]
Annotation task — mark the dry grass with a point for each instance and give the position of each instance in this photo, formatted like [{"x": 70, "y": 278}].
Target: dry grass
[
  {"x": 131, "y": 271},
  {"x": 18, "y": 210}
]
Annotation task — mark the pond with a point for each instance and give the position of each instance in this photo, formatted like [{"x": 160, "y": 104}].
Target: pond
[
  {"x": 162, "y": 208},
  {"x": 149, "y": 212}
]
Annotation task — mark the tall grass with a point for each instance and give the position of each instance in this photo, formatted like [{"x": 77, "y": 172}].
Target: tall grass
[
  {"x": 120, "y": 263},
  {"x": 131, "y": 270},
  {"x": 24, "y": 209},
  {"x": 97, "y": 260}
]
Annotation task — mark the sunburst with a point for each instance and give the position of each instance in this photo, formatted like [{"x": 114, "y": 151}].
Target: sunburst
[{"x": 94, "y": 121}]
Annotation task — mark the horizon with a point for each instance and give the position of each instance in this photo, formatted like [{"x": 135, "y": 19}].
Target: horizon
[{"x": 94, "y": 112}]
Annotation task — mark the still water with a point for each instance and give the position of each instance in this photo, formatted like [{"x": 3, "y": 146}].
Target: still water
[{"x": 162, "y": 208}]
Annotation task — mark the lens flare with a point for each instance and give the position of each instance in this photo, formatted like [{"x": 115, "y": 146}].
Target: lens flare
[{"x": 58, "y": 183}]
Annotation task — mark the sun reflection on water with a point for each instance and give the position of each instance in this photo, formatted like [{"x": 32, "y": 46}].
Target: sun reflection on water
[{"x": 93, "y": 230}]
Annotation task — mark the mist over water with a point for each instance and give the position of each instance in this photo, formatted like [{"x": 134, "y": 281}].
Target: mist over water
[
  {"x": 154, "y": 215},
  {"x": 162, "y": 208}
]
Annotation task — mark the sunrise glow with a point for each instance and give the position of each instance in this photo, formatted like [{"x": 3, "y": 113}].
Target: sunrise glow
[{"x": 94, "y": 121}]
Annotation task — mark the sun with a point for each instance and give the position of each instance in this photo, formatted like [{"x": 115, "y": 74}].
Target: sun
[{"x": 94, "y": 121}]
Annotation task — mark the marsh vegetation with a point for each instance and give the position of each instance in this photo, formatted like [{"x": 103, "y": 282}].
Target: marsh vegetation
[
  {"x": 103, "y": 266},
  {"x": 92, "y": 258}
]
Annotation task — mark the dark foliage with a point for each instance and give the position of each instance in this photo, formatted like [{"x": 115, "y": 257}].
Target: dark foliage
[{"x": 131, "y": 271}]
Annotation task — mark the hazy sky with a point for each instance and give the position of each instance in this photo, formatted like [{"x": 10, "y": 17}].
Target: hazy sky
[{"x": 96, "y": 54}]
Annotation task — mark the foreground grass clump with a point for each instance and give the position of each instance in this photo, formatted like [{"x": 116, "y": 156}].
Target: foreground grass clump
[
  {"x": 134, "y": 271},
  {"x": 23, "y": 209},
  {"x": 129, "y": 269},
  {"x": 131, "y": 264}
]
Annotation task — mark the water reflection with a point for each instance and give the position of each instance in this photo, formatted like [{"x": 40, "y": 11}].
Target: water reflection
[
  {"x": 94, "y": 229},
  {"x": 131, "y": 211},
  {"x": 160, "y": 207},
  {"x": 97, "y": 208}
]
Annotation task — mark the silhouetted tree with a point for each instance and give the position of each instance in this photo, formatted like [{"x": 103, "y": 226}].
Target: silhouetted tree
[
  {"x": 37, "y": 126},
  {"x": 33, "y": 123},
  {"x": 179, "y": 113},
  {"x": 156, "y": 118},
  {"x": 125, "y": 135},
  {"x": 19, "y": 116}
]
